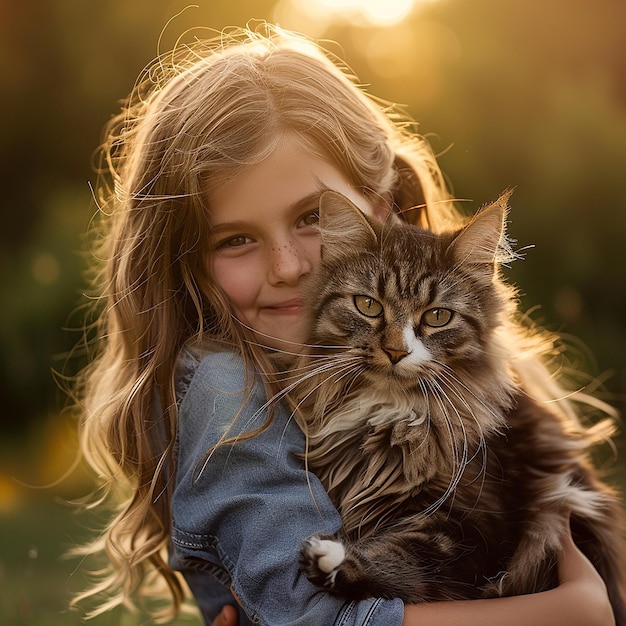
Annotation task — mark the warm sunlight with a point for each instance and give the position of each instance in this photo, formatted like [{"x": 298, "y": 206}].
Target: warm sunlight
[
  {"x": 361, "y": 12},
  {"x": 378, "y": 12},
  {"x": 402, "y": 43}
]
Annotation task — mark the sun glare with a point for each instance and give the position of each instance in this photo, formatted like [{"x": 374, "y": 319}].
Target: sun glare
[
  {"x": 405, "y": 48},
  {"x": 364, "y": 12},
  {"x": 378, "y": 12}
]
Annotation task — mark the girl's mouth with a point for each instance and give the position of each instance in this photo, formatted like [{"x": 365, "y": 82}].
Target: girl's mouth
[{"x": 289, "y": 307}]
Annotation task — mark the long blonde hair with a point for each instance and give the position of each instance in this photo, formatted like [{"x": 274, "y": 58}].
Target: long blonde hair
[{"x": 196, "y": 118}]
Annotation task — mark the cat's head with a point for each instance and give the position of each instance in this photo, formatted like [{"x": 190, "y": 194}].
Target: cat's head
[{"x": 404, "y": 303}]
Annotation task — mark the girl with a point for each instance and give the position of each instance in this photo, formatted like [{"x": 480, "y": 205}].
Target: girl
[{"x": 208, "y": 222}]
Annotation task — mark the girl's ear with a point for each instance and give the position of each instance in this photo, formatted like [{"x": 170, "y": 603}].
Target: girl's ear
[
  {"x": 343, "y": 226},
  {"x": 483, "y": 241}
]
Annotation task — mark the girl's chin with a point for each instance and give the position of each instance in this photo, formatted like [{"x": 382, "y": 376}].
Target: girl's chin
[
  {"x": 282, "y": 336},
  {"x": 278, "y": 339},
  {"x": 283, "y": 344}
]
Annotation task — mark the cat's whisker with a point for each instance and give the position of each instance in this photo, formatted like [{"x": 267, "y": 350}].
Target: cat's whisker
[
  {"x": 287, "y": 390},
  {"x": 449, "y": 372},
  {"x": 461, "y": 460},
  {"x": 296, "y": 373},
  {"x": 347, "y": 365},
  {"x": 284, "y": 392},
  {"x": 274, "y": 338},
  {"x": 335, "y": 369},
  {"x": 329, "y": 358},
  {"x": 348, "y": 386},
  {"x": 450, "y": 381},
  {"x": 481, "y": 446}
]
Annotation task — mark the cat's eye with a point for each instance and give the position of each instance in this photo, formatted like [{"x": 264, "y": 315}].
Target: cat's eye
[
  {"x": 437, "y": 318},
  {"x": 368, "y": 306}
]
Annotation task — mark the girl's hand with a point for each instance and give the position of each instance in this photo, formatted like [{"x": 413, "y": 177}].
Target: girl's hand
[
  {"x": 227, "y": 616},
  {"x": 580, "y": 578}
]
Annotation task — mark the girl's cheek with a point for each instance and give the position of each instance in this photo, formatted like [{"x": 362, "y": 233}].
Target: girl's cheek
[
  {"x": 230, "y": 277},
  {"x": 310, "y": 245},
  {"x": 315, "y": 254}
]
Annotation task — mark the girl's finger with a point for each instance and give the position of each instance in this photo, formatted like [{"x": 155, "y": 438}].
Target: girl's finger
[{"x": 227, "y": 617}]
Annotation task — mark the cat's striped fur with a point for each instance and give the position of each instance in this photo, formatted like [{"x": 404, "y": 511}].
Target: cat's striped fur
[{"x": 451, "y": 480}]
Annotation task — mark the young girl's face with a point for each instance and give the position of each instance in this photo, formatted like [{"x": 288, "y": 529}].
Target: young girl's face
[{"x": 264, "y": 242}]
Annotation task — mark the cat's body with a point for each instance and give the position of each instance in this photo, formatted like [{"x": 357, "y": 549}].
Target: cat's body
[{"x": 452, "y": 482}]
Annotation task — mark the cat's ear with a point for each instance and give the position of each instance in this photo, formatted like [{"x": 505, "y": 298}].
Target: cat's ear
[
  {"x": 343, "y": 226},
  {"x": 483, "y": 241}
]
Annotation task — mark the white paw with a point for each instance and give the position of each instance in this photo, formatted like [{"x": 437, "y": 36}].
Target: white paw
[{"x": 329, "y": 553}]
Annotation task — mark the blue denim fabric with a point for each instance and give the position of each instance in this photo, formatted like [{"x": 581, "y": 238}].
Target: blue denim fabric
[{"x": 240, "y": 515}]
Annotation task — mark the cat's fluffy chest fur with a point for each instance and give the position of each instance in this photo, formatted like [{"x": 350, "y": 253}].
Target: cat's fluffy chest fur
[{"x": 450, "y": 480}]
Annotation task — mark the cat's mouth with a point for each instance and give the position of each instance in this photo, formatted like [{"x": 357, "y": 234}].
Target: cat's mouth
[{"x": 398, "y": 373}]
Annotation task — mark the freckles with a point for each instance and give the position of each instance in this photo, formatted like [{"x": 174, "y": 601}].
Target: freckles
[{"x": 280, "y": 253}]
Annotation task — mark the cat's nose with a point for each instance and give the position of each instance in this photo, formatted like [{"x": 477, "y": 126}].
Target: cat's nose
[{"x": 394, "y": 354}]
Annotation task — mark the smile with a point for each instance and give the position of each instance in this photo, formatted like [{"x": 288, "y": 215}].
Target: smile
[{"x": 289, "y": 307}]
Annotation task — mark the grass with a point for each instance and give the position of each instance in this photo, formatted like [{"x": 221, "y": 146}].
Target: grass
[
  {"x": 37, "y": 528},
  {"x": 36, "y": 580}
]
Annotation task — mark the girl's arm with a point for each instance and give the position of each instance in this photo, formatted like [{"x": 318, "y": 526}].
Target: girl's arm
[
  {"x": 579, "y": 600},
  {"x": 241, "y": 513}
]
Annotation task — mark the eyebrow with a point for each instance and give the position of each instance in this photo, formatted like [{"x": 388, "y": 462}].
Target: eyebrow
[{"x": 216, "y": 229}]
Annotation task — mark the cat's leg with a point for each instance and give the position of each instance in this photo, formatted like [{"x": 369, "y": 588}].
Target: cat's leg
[
  {"x": 359, "y": 570},
  {"x": 389, "y": 565},
  {"x": 321, "y": 557}
]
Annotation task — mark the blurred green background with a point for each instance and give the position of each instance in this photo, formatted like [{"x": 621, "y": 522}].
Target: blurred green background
[{"x": 528, "y": 94}]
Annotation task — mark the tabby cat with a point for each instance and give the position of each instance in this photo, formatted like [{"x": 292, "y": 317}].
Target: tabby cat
[{"x": 451, "y": 480}]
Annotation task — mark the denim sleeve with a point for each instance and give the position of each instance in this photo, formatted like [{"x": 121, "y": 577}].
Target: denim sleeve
[{"x": 240, "y": 514}]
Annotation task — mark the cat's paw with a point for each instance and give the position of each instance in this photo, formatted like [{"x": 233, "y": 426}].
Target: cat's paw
[{"x": 320, "y": 559}]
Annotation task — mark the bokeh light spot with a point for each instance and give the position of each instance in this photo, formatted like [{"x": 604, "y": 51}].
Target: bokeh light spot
[
  {"x": 378, "y": 12},
  {"x": 46, "y": 269},
  {"x": 569, "y": 304},
  {"x": 315, "y": 16}
]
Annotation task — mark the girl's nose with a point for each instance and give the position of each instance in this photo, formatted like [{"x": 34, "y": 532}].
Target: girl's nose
[{"x": 288, "y": 264}]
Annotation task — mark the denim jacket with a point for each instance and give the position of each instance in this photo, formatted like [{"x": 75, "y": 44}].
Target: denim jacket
[{"x": 241, "y": 512}]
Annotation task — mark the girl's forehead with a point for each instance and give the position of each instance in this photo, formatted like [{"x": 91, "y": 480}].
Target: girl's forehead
[
  {"x": 289, "y": 174},
  {"x": 256, "y": 157}
]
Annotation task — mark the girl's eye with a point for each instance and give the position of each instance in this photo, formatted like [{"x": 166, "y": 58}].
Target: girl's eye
[
  {"x": 368, "y": 306},
  {"x": 234, "y": 242},
  {"x": 436, "y": 318},
  {"x": 311, "y": 219}
]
